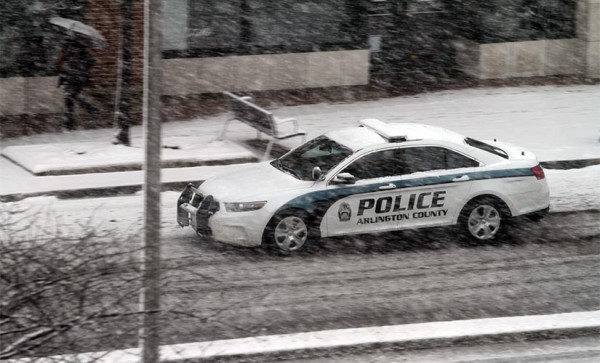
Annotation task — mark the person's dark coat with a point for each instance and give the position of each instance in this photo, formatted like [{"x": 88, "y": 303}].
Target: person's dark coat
[{"x": 74, "y": 64}]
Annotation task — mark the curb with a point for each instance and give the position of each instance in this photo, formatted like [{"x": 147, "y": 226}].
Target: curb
[
  {"x": 176, "y": 186},
  {"x": 168, "y": 186},
  {"x": 95, "y": 192},
  {"x": 179, "y": 185},
  {"x": 569, "y": 164},
  {"x": 350, "y": 341},
  {"x": 136, "y": 167}
]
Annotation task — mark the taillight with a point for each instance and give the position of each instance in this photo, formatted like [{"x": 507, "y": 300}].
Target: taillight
[{"x": 538, "y": 171}]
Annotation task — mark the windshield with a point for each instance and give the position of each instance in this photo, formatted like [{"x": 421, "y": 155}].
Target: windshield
[{"x": 322, "y": 152}]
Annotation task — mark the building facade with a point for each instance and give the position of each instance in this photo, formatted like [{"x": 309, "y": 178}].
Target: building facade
[
  {"x": 256, "y": 45},
  {"x": 211, "y": 46}
]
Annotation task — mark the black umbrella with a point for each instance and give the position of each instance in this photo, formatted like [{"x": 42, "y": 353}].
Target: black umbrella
[{"x": 79, "y": 28}]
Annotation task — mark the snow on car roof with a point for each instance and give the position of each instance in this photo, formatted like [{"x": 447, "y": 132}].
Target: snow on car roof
[
  {"x": 398, "y": 132},
  {"x": 356, "y": 138},
  {"x": 377, "y": 132}
]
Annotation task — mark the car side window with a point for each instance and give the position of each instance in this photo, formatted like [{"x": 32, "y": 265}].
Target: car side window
[
  {"x": 376, "y": 165},
  {"x": 455, "y": 160},
  {"x": 419, "y": 159}
]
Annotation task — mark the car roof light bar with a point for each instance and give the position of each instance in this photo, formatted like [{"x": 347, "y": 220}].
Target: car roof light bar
[{"x": 384, "y": 130}]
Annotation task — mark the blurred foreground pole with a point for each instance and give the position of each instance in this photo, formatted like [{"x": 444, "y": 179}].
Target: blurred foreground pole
[{"x": 150, "y": 292}]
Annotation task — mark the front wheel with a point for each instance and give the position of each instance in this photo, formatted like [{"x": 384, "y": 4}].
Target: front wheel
[
  {"x": 287, "y": 232},
  {"x": 481, "y": 220}
]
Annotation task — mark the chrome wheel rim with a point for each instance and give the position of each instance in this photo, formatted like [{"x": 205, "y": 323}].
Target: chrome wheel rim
[
  {"x": 291, "y": 233},
  {"x": 484, "y": 222}
]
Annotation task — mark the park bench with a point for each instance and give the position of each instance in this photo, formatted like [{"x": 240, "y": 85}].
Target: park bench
[{"x": 260, "y": 119}]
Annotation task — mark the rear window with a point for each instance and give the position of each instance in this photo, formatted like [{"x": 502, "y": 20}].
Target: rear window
[{"x": 486, "y": 147}]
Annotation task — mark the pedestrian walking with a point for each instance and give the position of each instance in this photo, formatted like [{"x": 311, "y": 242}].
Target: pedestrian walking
[{"x": 74, "y": 64}]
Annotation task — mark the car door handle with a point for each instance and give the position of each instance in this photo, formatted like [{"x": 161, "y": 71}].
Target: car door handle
[
  {"x": 387, "y": 187},
  {"x": 461, "y": 178}
]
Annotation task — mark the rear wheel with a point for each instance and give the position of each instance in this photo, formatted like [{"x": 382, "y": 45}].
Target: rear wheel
[
  {"x": 481, "y": 219},
  {"x": 288, "y": 232}
]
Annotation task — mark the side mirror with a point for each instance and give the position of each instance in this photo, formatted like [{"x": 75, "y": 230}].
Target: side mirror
[
  {"x": 344, "y": 178},
  {"x": 316, "y": 173}
]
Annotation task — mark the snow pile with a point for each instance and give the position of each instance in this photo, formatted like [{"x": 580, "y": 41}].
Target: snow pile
[
  {"x": 574, "y": 189},
  {"x": 64, "y": 158}
]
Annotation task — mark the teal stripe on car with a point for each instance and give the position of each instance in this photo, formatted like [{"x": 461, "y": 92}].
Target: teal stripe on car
[{"x": 323, "y": 199}]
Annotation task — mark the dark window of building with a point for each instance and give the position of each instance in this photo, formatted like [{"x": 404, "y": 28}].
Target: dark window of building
[
  {"x": 214, "y": 24},
  {"x": 297, "y": 22},
  {"x": 420, "y": 38},
  {"x": 513, "y": 20},
  {"x": 28, "y": 46},
  {"x": 239, "y": 27}
]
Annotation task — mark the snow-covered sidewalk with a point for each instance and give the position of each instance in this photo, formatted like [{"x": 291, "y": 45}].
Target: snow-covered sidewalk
[
  {"x": 574, "y": 189},
  {"x": 555, "y": 122},
  {"x": 570, "y": 190}
]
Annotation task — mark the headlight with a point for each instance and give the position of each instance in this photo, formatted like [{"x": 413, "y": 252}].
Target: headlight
[{"x": 244, "y": 206}]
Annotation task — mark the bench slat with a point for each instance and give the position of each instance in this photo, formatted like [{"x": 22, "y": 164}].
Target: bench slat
[
  {"x": 262, "y": 120},
  {"x": 283, "y": 137}
]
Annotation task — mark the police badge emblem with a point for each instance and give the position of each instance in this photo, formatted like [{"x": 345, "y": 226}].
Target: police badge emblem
[{"x": 344, "y": 212}]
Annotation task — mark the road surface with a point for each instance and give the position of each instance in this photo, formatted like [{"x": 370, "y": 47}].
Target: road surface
[
  {"x": 576, "y": 350},
  {"x": 216, "y": 291}
]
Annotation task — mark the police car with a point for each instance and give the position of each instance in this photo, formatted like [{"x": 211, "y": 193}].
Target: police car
[{"x": 371, "y": 178}]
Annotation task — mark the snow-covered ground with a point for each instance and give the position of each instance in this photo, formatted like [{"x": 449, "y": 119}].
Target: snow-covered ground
[
  {"x": 570, "y": 190},
  {"x": 574, "y": 189},
  {"x": 555, "y": 122},
  {"x": 70, "y": 157}
]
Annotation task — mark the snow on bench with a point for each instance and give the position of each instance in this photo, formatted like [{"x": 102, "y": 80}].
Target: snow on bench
[{"x": 260, "y": 119}]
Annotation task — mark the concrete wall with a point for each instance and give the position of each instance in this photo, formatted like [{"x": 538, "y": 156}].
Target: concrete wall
[
  {"x": 39, "y": 95},
  {"x": 579, "y": 56},
  {"x": 265, "y": 72},
  {"x": 521, "y": 59},
  {"x": 588, "y": 30},
  {"x": 30, "y": 95}
]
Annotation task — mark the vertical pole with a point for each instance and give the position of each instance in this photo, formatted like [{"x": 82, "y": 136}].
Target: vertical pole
[
  {"x": 124, "y": 73},
  {"x": 150, "y": 292}
]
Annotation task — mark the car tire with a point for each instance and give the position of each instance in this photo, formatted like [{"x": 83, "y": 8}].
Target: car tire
[
  {"x": 288, "y": 232},
  {"x": 483, "y": 219}
]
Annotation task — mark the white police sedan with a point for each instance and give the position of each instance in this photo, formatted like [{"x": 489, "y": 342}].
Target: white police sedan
[{"x": 371, "y": 178}]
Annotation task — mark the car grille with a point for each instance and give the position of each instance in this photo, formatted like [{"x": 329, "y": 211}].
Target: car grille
[{"x": 194, "y": 207}]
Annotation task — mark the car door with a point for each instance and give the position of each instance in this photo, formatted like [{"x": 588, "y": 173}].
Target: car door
[
  {"x": 366, "y": 205},
  {"x": 404, "y": 187},
  {"x": 435, "y": 185}
]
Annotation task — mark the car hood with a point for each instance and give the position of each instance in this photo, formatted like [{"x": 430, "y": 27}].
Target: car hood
[{"x": 251, "y": 183}]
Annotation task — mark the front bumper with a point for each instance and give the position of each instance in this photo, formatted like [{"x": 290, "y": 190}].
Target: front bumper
[
  {"x": 204, "y": 215},
  {"x": 195, "y": 209}
]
